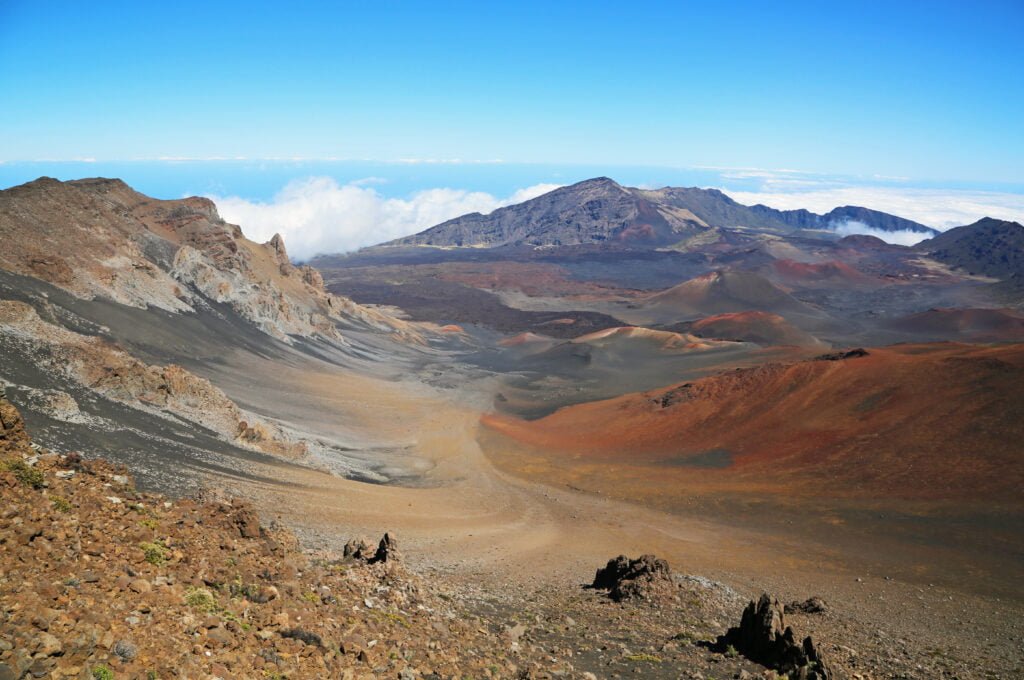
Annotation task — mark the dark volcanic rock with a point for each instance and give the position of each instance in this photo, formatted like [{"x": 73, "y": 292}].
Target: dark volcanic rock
[
  {"x": 625, "y": 579},
  {"x": 842, "y": 356},
  {"x": 359, "y": 549},
  {"x": 387, "y": 550},
  {"x": 763, "y": 636}
]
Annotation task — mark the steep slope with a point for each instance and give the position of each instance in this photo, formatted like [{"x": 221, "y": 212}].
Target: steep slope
[
  {"x": 914, "y": 422},
  {"x": 594, "y": 211},
  {"x": 169, "y": 392},
  {"x": 102, "y": 580},
  {"x": 989, "y": 247},
  {"x": 99, "y": 237}
]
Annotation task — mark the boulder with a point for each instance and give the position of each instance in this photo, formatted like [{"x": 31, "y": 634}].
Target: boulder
[
  {"x": 812, "y": 605},
  {"x": 626, "y": 579}
]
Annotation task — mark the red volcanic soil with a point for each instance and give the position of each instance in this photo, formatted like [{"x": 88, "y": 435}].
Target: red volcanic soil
[
  {"x": 533, "y": 279},
  {"x": 980, "y": 325},
  {"x": 724, "y": 291},
  {"x": 762, "y": 328},
  {"x": 914, "y": 422},
  {"x": 821, "y": 272}
]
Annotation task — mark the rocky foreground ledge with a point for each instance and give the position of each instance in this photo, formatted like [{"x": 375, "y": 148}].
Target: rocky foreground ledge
[{"x": 101, "y": 581}]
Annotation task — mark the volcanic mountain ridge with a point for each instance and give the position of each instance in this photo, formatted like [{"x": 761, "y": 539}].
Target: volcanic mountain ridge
[{"x": 600, "y": 210}]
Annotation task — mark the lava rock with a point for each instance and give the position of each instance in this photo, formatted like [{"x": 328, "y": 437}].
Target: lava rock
[
  {"x": 763, "y": 637},
  {"x": 627, "y": 579}
]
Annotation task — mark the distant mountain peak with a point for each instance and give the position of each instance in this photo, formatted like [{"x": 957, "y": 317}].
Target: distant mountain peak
[
  {"x": 990, "y": 247},
  {"x": 602, "y": 211}
]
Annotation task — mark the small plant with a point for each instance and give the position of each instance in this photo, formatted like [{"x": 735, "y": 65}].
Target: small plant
[
  {"x": 102, "y": 673},
  {"x": 156, "y": 552},
  {"x": 201, "y": 600},
  {"x": 239, "y": 589},
  {"x": 152, "y": 675},
  {"x": 149, "y": 523},
  {"x": 61, "y": 504},
  {"x": 646, "y": 658},
  {"x": 311, "y": 597},
  {"x": 731, "y": 652},
  {"x": 25, "y": 473}
]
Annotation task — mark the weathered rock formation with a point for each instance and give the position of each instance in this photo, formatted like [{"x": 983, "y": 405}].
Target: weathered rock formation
[
  {"x": 100, "y": 238},
  {"x": 764, "y": 637},
  {"x": 644, "y": 578},
  {"x": 360, "y": 550}
]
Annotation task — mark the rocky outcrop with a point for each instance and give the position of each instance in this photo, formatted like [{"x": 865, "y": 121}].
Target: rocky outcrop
[
  {"x": 854, "y": 353},
  {"x": 645, "y": 578},
  {"x": 359, "y": 549},
  {"x": 764, "y": 637},
  {"x": 99, "y": 238},
  {"x": 12, "y": 428}
]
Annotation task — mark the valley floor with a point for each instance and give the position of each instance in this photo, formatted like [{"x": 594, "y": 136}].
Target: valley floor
[{"x": 502, "y": 538}]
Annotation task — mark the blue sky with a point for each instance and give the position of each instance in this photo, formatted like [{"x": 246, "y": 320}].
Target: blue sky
[
  {"x": 341, "y": 124},
  {"x": 926, "y": 90}
]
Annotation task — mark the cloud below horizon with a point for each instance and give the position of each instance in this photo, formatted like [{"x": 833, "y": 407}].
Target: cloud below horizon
[
  {"x": 318, "y": 215},
  {"x": 941, "y": 209},
  {"x": 903, "y": 237}
]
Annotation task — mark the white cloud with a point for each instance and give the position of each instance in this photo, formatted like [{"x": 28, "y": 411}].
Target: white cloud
[
  {"x": 317, "y": 215},
  {"x": 941, "y": 209},
  {"x": 902, "y": 238}
]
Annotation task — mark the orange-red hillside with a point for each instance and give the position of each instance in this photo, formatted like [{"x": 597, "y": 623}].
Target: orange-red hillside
[
  {"x": 980, "y": 325},
  {"x": 762, "y": 328},
  {"x": 914, "y": 421},
  {"x": 808, "y": 273}
]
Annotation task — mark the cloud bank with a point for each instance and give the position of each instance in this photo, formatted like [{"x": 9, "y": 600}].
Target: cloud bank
[
  {"x": 317, "y": 215},
  {"x": 941, "y": 209},
  {"x": 901, "y": 238}
]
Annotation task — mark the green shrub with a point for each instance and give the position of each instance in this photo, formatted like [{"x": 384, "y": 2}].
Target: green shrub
[
  {"x": 156, "y": 552},
  {"x": 201, "y": 599},
  {"x": 61, "y": 504},
  {"x": 24, "y": 473},
  {"x": 149, "y": 523},
  {"x": 102, "y": 673}
]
